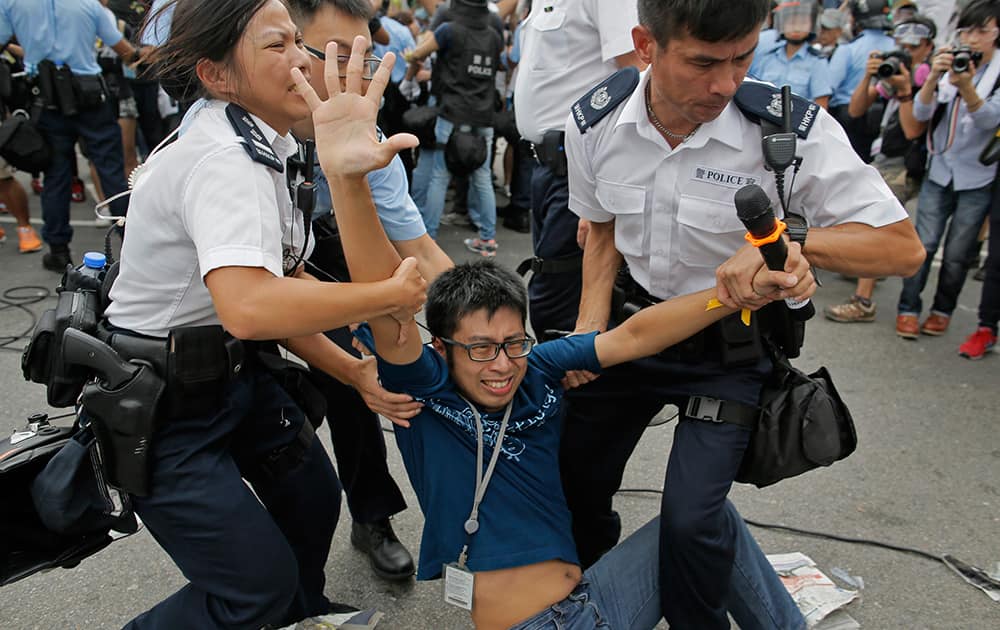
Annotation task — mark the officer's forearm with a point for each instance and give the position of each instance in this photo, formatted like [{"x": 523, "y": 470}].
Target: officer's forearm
[
  {"x": 254, "y": 304},
  {"x": 860, "y": 250},
  {"x": 600, "y": 265},
  {"x": 431, "y": 259},
  {"x": 321, "y": 353}
]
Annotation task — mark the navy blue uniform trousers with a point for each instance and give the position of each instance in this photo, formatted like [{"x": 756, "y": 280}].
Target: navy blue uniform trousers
[
  {"x": 249, "y": 562},
  {"x": 605, "y": 420},
  {"x": 554, "y": 297},
  {"x": 99, "y": 130}
]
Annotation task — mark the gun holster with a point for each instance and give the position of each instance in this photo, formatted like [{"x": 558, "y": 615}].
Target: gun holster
[
  {"x": 552, "y": 152},
  {"x": 124, "y": 421}
]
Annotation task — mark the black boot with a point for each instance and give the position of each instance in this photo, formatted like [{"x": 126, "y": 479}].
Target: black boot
[
  {"x": 389, "y": 558},
  {"x": 57, "y": 258},
  {"x": 516, "y": 218}
]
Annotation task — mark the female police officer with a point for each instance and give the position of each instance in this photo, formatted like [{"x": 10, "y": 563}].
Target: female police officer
[{"x": 213, "y": 239}]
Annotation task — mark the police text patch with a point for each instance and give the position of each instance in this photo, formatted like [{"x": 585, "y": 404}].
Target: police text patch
[{"x": 719, "y": 177}]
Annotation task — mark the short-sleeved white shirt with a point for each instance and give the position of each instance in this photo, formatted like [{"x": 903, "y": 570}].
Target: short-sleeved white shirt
[
  {"x": 675, "y": 221},
  {"x": 569, "y": 46},
  {"x": 201, "y": 204}
]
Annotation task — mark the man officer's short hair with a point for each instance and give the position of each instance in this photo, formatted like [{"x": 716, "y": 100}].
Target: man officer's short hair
[{"x": 707, "y": 20}]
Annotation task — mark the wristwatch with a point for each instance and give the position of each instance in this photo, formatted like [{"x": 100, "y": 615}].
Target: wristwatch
[{"x": 798, "y": 228}]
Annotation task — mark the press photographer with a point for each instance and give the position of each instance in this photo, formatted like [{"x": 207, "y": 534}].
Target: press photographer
[{"x": 959, "y": 105}]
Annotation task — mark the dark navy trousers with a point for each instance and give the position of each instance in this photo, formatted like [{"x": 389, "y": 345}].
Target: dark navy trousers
[
  {"x": 99, "y": 130},
  {"x": 249, "y": 562},
  {"x": 698, "y": 532},
  {"x": 554, "y": 297}
]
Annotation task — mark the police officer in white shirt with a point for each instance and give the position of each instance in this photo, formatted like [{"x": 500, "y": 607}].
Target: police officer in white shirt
[
  {"x": 654, "y": 163},
  {"x": 211, "y": 263},
  {"x": 568, "y": 46}
]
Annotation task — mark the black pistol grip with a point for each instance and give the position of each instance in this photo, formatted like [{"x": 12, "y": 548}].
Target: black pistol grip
[{"x": 79, "y": 348}]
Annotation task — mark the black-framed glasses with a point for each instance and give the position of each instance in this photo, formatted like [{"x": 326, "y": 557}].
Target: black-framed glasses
[
  {"x": 484, "y": 351},
  {"x": 371, "y": 63}
]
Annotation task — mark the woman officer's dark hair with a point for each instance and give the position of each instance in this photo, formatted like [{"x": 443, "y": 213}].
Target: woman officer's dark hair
[
  {"x": 707, "y": 20},
  {"x": 199, "y": 29}
]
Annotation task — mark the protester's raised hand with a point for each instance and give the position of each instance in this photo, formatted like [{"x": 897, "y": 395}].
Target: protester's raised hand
[{"x": 346, "y": 142}]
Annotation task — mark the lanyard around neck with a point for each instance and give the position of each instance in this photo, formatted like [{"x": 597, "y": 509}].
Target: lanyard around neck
[{"x": 482, "y": 479}]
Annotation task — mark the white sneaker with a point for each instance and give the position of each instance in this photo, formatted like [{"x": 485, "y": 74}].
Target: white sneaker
[{"x": 455, "y": 218}]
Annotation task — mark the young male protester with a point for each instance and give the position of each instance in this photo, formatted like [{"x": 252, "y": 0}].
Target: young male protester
[{"x": 505, "y": 548}]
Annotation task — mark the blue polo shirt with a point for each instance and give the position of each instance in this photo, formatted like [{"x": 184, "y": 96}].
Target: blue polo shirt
[
  {"x": 806, "y": 73},
  {"x": 399, "y": 216},
  {"x": 523, "y": 518},
  {"x": 400, "y": 39},
  {"x": 847, "y": 65},
  {"x": 62, "y": 31}
]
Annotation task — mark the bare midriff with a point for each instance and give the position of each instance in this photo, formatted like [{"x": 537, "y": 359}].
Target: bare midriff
[{"x": 505, "y": 597}]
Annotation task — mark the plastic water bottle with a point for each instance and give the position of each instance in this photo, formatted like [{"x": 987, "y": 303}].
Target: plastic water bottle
[{"x": 92, "y": 267}]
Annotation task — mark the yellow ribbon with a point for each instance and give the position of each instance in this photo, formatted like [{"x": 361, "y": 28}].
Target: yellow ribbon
[{"x": 714, "y": 303}]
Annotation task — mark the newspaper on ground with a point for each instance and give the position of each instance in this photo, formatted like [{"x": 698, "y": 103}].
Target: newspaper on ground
[
  {"x": 358, "y": 620},
  {"x": 816, "y": 595}
]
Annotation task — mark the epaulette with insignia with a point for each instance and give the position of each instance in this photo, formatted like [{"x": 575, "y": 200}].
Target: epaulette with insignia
[
  {"x": 256, "y": 145},
  {"x": 762, "y": 101},
  {"x": 812, "y": 51},
  {"x": 603, "y": 99}
]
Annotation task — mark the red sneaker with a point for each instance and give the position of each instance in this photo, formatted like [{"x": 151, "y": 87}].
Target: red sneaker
[
  {"x": 978, "y": 344},
  {"x": 76, "y": 192}
]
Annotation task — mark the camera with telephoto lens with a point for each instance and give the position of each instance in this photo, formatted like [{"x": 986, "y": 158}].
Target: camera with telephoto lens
[
  {"x": 962, "y": 57},
  {"x": 892, "y": 62}
]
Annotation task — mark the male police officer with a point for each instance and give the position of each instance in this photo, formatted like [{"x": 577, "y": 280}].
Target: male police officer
[
  {"x": 355, "y": 431},
  {"x": 654, "y": 163},
  {"x": 569, "y": 46},
  {"x": 847, "y": 67},
  {"x": 58, "y": 38}
]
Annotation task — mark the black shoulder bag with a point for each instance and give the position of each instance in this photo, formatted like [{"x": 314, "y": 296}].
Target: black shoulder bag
[{"x": 803, "y": 424}]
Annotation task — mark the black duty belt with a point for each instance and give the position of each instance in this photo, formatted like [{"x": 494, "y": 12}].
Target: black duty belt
[
  {"x": 715, "y": 410},
  {"x": 566, "y": 264}
]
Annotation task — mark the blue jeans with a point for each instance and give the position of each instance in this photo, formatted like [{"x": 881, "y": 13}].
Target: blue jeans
[
  {"x": 484, "y": 212},
  {"x": 967, "y": 210},
  {"x": 99, "y": 129},
  {"x": 622, "y": 591}
]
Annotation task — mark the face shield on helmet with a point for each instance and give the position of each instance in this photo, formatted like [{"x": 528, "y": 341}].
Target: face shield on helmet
[
  {"x": 796, "y": 21},
  {"x": 872, "y": 14}
]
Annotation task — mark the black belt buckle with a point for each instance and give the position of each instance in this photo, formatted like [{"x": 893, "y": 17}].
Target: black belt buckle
[{"x": 703, "y": 408}]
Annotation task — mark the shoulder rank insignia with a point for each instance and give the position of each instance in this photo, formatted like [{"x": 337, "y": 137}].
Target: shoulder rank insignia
[
  {"x": 603, "y": 99},
  {"x": 256, "y": 145},
  {"x": 762, "y": 101}
]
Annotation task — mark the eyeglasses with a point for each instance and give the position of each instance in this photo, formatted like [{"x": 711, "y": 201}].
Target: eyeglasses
[
  {"x": 371, "y": 64},
  {"x": 487, "y": 350},
  {"x": 978, "y": 31},
  {"x": 912, "y": 32}
]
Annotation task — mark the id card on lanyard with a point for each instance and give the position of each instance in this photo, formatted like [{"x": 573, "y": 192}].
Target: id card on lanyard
[{"x": 459, "y": 582}]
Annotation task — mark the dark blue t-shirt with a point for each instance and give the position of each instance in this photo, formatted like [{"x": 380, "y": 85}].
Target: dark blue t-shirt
[{"x": 523, "y": 518}]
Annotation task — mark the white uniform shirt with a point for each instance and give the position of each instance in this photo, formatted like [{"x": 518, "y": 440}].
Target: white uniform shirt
[
  {"x": 675, "y": 221},
  {"x": 569, "y": 47},
  {"x": 201, "y": 204}
]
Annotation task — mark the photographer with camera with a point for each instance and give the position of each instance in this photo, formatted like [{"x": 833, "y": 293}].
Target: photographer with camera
[
  {"x": 886, "y": 94},
  {"x": 960, "y": 106}
]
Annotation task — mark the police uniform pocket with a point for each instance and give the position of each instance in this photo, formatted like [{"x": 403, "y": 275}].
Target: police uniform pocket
[
  {"x": 552, "y": 45},
  {"x": 709, "y": 231},
  {"x": 628, "y": 203}
]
